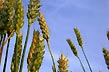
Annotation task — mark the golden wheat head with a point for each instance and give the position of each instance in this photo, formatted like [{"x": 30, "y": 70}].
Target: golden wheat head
[
  {"x": 43, "y": 26},
  {"x": 63, "y": 64},
  {"x": 36, "y": 53}
]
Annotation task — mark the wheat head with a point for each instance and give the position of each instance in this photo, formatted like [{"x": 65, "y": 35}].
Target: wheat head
[
  {"x": 6, "y": 20},
  {"x": 63, "y": 63},
  {"x": 79, "y": 38},
  {"x": 106, "y": 56},
  {"x": 33, "y": 10},
  {"x": 43, "y": 26},
  {"x": 36, "y": 53}
]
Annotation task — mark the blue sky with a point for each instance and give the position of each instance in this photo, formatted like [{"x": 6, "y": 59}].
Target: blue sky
[{"x": 92, "y": 19}]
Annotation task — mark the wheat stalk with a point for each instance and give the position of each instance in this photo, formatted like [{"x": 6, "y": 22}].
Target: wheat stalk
[
  {"x": 46, "y": 36},
  {"x": 73, "y": 48},
  {"x": 33, "y": 10},
  {"x": 80, "y": 42},
  {"x": 4, "y": 68},
  {"x": 17, "y": 54},
  {"x": 6, "y": 20}
]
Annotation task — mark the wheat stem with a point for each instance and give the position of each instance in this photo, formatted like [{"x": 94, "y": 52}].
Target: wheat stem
[
  {"x": 4, "y": 68},
  {"x": 86, "y": 59},
  {"x": 1, "y": 39},
  {"x": 54, "y": 68},
  {"x": 1, "y": 49},
  {"x": 81, "y": 64},
  {"x": 24, "y": 50},
  {"x": 16, "y": 54}
]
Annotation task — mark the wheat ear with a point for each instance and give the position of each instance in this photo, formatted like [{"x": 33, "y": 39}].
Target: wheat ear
[
  {"x": 46, "y": 36},
  {"x": 80, "y": 42},
  {"x": 33, "y": 10},
  {"x": 63, "y": 63},
  {"x": 106, "y": 56},
  {"x": 36, "y": 53},
  {"x": 73, "y": 48}
]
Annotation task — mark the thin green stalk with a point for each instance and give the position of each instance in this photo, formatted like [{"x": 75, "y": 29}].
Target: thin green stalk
[
  {"x": 1, "y": 49},
  {"x": 24, "y": 50},
  {"x": 81, "y": 64},
  {"x": 1, "y": 38},
  {"x": 16, "y": 54},
  {"x": 4, "y": 68},
  {"x": 53, "y": 68},
  {"x": 86, "y": 59}
]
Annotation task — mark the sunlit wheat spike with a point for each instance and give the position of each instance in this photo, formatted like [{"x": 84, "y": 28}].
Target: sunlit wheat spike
[
  {"x": 106, "y": 56},
  {"x": 37, "y": 56},
  {"x": 72, "y": 46},
  {"x": 19, "y": 17},
  {"x": 79, "y": 38},
  {"x": 33, "y": 10},
  {"x": 33, "y": 45},
  {"x": 108, "y": 35},
  {"x": 19, "y": 50},
  {"x": 63, "y": 63},
  {"x": 43, "y": 26}
]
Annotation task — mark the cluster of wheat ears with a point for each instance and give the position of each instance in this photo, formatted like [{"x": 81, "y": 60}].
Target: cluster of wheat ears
[{"x": 11, "y": 23}]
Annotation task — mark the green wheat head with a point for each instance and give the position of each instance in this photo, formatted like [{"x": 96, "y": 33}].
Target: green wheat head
[{"x": 33, "y": 10}]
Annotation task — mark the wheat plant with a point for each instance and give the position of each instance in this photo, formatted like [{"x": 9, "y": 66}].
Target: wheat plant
[{"x": 11, "y": 23}]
